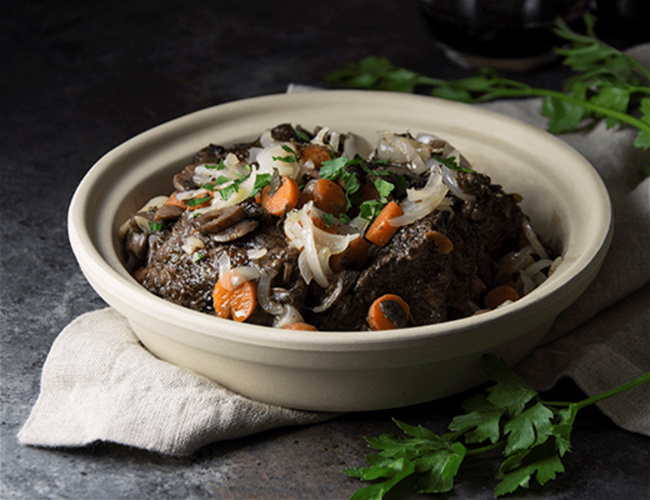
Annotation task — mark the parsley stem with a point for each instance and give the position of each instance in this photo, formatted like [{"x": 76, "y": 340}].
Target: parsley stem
[
  {"x": 530, "y": 91},
  {"x": 613, "y": 392},
  {"x": 484, "y": 449}
]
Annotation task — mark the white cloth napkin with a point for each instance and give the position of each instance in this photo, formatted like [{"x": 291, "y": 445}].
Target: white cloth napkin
[{"x": 100, "y": 384}]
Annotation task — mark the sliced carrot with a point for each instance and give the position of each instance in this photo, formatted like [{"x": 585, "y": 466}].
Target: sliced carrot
[
  {"x": 354, "y": 256},
  {"x": 329, "y": 197},
  {"x": 499, "y": 295},
  {"x": 221, "y": 300},
  {"x": 300, "y": 326},
  {"x": 317, "y": 154},
  {"x": 172, "y": 200},
  {"x": 283, "y": 200},
  {"x": 380, "y": 231},
  {"x": 377, "y": 318},
  {"x": 238, "y": 303},
  {"x": 243, "y": 301}
]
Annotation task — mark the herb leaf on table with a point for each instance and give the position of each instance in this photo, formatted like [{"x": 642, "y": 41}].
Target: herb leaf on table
[
  {"x": 607, "y": 84},
  {"x": 534, "y": 435}
]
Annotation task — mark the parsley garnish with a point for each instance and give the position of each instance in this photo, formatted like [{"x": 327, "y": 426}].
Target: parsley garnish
[
  {"x": 608, "y": 84},
  {"x": 452, "y": 164},
  {"x": 370, "y": 209},
  {"x": 384, "y": 188},
  {"x": 195, "y": 202},
  {"x": 328, "y": 218},
  {"x": 155, "y": 226},
  {"x": 533, "y": 433},
  {"x": 301, "y": 135},
  {"x": 227, "y": 191},
  {"x": 330, "y": 168},
  {"x": 261, "y": 180},
  {"x": 334, "y": 169},
  {"x": 217, "y": 182},
  {"x": 220, "y": 166},
  {"x": 290, "y": 158},
  {"x": 344, "y": 219}
]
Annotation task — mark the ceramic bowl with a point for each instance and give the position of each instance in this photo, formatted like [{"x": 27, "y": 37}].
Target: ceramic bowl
[{"x": 346, "y": 371}]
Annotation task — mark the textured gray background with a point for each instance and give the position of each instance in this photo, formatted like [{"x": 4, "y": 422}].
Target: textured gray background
[{"x": 79, "y": 78}]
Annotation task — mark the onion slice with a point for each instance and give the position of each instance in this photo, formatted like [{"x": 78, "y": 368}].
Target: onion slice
[{"x": 421, "y": 202}]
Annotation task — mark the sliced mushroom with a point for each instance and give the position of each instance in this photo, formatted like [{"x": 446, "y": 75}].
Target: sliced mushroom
[
  {"x": 235, "y": 231},
  {"x": 167, "y": 212},
  {"x": 184, "y": 180},
  {"x": 394, "y": 311},
  {"x": 216, "y": 221},
  {"x": 136, "y": 244}
]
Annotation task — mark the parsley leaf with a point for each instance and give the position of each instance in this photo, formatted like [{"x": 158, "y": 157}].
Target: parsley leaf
[
  {"x": 384, "y": 188},
  {"x": 290, "y": 158},
  {"x": 329, "y": 219},
  {"x": 452, "y": 164},
  {"x": 195, "y": 202},
  {"x": 301, "y": 135},
  {"x": 330, "y": 169},
  {"x": 534, "y": 434},
  {"x": 370, "y": 209},
  {"x": 261, "y": 180},
  {"x": 227, "y": 191},
  {"x": 220, "y": 166},
  {"x": 334, "y": 169},
  {"x": 155, "y": 226}
]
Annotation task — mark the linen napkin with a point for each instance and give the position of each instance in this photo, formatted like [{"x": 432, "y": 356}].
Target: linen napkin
[{"x": 100, "y": 384}]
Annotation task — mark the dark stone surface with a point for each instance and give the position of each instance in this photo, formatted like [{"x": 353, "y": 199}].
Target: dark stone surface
[{"x": 79, "y": 78}]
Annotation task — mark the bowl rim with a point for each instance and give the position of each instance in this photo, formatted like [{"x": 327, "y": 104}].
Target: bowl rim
[{"x": 92, "y": 262}]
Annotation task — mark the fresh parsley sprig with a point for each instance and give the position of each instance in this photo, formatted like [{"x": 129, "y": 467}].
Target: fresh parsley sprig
[
  {"x": 534, "y": 435},
  {"x": 607, "y": 85}
]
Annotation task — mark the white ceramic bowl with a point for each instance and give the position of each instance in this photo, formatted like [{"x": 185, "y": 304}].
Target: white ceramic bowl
[{"x": 346, "y": 371}]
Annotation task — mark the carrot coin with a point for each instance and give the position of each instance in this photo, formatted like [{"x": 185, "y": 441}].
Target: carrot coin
[
  {"x": 283, "y": 200},
  {"x": 388, "y": 312},
  {"x": 329, "y": 197}
]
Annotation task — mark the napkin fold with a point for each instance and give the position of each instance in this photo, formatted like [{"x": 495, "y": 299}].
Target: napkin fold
[{"x": 100, "y": 384}]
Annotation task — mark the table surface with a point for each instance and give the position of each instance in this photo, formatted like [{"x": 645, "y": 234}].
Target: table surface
[{"x": 78, "y": 79}]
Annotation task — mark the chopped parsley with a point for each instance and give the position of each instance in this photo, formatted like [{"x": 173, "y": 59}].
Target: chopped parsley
[
  {"x": 155, "y": 226},
  {"x": 301, "y": 135},
  {"x": 290, "y": 158},
  {"x": 227, "y": 191},
  {"x": 195, "y": 202},
  {"x": 335, "y": 170},
  {"x": 222, "y": 179},
  {"x": 384, "y": 188},
  {"x": 370, "y": 209},
  {"x": 261, "y": 181},
  {"x": 220, "y": 166},
  {"x": 452, "y": 164},
  {"x": 329, "y": 219},
  {"x": 344, "y": 219}
]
